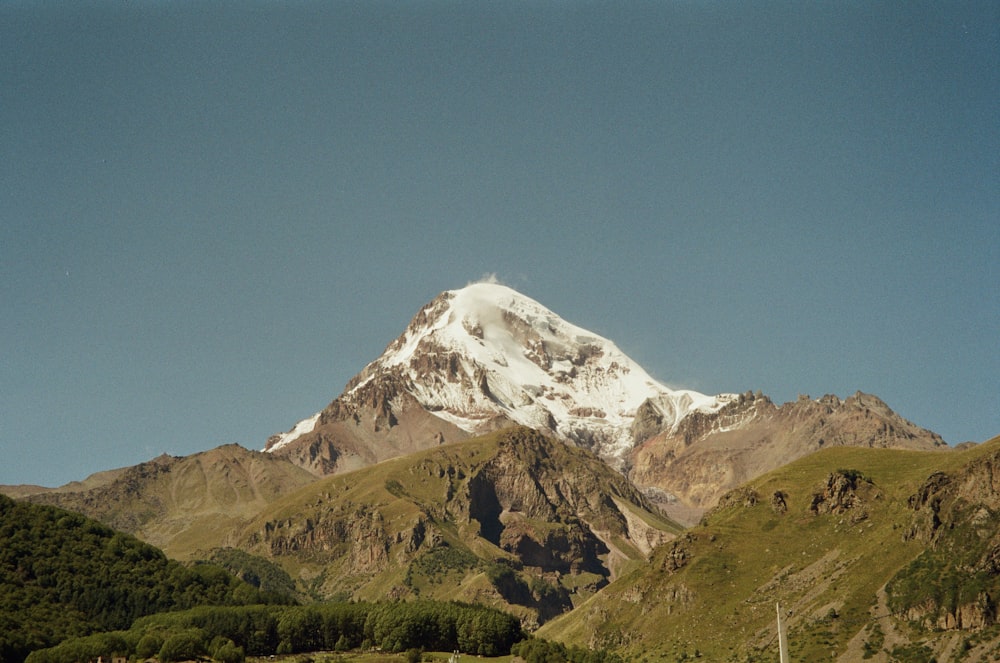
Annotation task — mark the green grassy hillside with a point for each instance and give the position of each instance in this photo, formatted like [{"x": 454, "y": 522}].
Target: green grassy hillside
[{"x": 823, "y": 536}]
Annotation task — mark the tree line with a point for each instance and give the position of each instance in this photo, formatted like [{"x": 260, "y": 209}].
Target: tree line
[{"x": 229, "y": 633}]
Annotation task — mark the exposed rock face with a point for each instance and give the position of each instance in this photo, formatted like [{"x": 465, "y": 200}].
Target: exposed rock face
[
  {"x": 677, "y": 554},
  {"x": 645, "y": 536},
  {"x": 743, "y": 496},
  {"x": 841, "y": 493},
  {"x": 955, "y": 581},
  {"x": 944, "y": 501},
  {"x": 648, "y": 421},
  {"x": 115, "y": 504},
  {"x": 778, "y": 502},
  {"x": 378, "y": 422},
  {"x": 927, "y": 505},
  {"x": 356, "y": 534},
  {"x": 551, "y": 516},
  {"x": 710, "y": 453},
  {"x": 552, "y": 511},
  {"x": 974, "y": 615},
  {"x": 320, "y": 454}
]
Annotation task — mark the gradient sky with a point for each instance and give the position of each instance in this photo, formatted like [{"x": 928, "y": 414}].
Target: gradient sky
[{"x": 213, "y": 214}]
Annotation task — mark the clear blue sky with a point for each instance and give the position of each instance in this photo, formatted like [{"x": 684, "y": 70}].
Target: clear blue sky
[{"x": 213, "y": 214}]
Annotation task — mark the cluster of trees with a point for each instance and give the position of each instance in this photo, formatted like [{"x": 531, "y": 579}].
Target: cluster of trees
[
  {"x": 536, "y": 650},
  {"x": 442, "y": 627},
  {"x": 439, "y": 562},
  {"x": 228, "y": 634},
  {"x": 63, "y": 575},
  {"x": 184, "y": 645},
  {"x": 257, "y": 571}
]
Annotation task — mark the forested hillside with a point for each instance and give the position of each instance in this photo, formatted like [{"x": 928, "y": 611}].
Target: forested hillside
[{"x": 63, "y": 575}]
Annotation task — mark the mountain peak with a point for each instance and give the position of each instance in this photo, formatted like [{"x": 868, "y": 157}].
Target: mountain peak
[{"x": 486, "y": 354}]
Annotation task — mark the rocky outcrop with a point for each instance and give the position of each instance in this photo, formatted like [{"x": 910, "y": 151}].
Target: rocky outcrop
[
  {"x": 676, "y": 554},
  {"x": 744, "y": 496},
  {"x": 319, "y": 454},
  {"x": 779, "y": 502},
  {"x": 926, "y": 503},
  {"x": 648, "y": 421},
  {"x": 973, "y": 615},
  {"x": 551, "y": 514},
  {"x": 359, "y": 535},
  {"x": 955, "y": 581},
  {"x": 841, "y": 493},
  {"x": 379, "y": 421},
  {"x": 969, "y": 616},
  {"x": 945, "y": 501}
]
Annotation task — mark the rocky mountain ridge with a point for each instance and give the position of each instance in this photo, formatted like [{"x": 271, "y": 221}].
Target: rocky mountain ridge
[
  {"x": 388, "y": 494},
  {"x": 515, "y": 519}
]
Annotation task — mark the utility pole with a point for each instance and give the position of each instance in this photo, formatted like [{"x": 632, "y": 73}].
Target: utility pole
[{"x": 782, "y": 638}]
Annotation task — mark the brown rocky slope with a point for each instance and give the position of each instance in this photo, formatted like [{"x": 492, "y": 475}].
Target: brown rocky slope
[
  {"x": 184, "y": 505},
  {"x": 375, "y": 423},
  {"x": 691, "y": 467}
]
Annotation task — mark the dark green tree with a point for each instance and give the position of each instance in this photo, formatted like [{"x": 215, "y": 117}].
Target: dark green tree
[{"x": 184, "y": 646}]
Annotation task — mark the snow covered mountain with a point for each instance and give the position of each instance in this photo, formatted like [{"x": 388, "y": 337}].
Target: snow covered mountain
[
  {"x": 482, "y": 357},
  {"x": 485, "y": 357}
]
